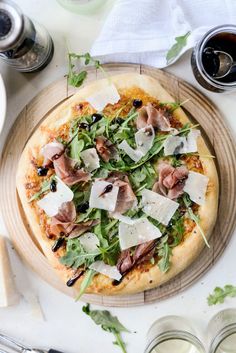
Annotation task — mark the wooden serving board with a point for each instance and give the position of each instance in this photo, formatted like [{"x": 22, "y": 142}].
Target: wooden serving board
[{"x": 221, "y": 144}]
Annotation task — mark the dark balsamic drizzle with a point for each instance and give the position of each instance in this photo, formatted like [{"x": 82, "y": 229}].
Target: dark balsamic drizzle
[
  {"x": 84, "y": 126},
  {"x": 137, "y": 103},
  {"x": 96, "y": 117},
  {"x": 58, "y": 244},
  {"x": 42, "y": 171},
  {"x": 107, "y": 189},
  {"x": 53, "y": 186},
  {"x": 83, "y": 207},
  {"x": 73, "y": 279}
]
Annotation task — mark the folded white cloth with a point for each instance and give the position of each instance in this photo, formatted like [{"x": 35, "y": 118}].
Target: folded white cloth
[{"x": 142, "y": 31}]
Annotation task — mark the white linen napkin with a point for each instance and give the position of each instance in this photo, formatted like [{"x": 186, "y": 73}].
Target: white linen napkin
[{"x": 142, "y": 31}]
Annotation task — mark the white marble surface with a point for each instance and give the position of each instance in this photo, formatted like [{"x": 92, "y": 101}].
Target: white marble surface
[{"x": 64, "y": 326}]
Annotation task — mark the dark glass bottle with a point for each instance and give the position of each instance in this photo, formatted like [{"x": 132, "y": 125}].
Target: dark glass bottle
[{"x": 24, "y": 44}]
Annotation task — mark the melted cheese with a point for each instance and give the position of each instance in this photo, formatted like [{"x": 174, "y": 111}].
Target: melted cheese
[
  {"x": 53, "y": 200},
  {"x": 8, "y": 292},
  {"x": 137, "y": 233},
  {"x": 196, "y": 186},
  {"x": 107, "y": 270},
  {"x": 158, "y": 207},
  {"x": 90, "y": 159},
  {"x": 135, "y": 155},
  {"x": 181, "y": 144},
  {"x": 102, "y": 201},
  {"x": 89, "y": 241},
  {"x": 107, "y": 95},
  {"x": 144, "y": 139}
]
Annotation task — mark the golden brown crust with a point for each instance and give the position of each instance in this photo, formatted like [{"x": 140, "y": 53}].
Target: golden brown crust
[{"x": 143, "y": 277}]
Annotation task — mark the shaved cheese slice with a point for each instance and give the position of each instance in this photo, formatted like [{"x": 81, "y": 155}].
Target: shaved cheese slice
[
  {"x": 89, "y": 241},
  {"x": 90, "y": 159},
  {"x": 53, "y": 200},
  {"x": 108, "y": 95},
  {"x": 99, "y": 199},
  {"x": 135, "y": 155},
  {"x": 157, "y": 206},
  {"x": 181, "y": 144},
  {"x": 8, "y": 292},
  {"x": 144, "y": 139},
  {"x": 137, "y": 233},
  {"x": 107, "y": 270},
  {"x": 124, "y": 219},
  {"x": 196, "y": 186}
]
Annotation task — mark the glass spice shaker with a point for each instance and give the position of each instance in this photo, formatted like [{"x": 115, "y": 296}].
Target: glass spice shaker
[
  {"x": 24, "y": 44},
  {"x": 173, "y": 334},
  {"x": 222, "y": 332}
]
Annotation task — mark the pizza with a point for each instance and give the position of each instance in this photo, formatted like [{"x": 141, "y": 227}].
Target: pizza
[{"x": 119, "y": 187}]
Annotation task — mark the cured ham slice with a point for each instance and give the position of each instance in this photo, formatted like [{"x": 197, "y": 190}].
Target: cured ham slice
[
  {"x": 105, "y": 148},
  {"x": 149, "y": 115},
  {"x": 126, "y": 198},
  {"x": 171, "y": 181}
]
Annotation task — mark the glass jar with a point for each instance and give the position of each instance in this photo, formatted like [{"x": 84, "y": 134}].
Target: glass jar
[
  {"x": 222, "y": 332},
  {"x": 24, "y": 44},
  {"x": 172, "y": 334},
  {"x": 225, "y": 33},
  {"x": 82, "y": 6}
]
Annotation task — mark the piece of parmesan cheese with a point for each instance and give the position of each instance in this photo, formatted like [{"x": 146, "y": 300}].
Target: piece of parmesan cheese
[
  {"x": 101, "y": 199},
  {"x": 157, "y": 206},
  {"x": 8, "y": 293},
  {"x": 53, "y": 200},
  {"x": 90, "y": 159},
  {"x": 137, "y": 233},
  {"x": 107, "y": 270},
  {"x": 89, "y": 241},
  {"x": 181, "y": 144},
  {"x": 107, "y": 95},
  {"x": 135, "y": 155},
  {"x": 144, "y": 139},
  {"x": 196, "y": 186}
]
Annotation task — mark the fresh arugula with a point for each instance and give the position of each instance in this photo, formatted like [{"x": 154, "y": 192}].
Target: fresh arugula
[
  {"x": 219, "y": 294},
  {"x": 75, "y": 77},
  {"x": 108, "y": 323},
  {"x": 44, "y": 188},
  {"x": 86, "y": 283},
  {"x": 76, "y": 256},
  {"x": 174, "y": 51},
  {"x": 165, "y": 252},
  {"x": 195, "y": 218},
  {"x": 172, "y": 106},
  {"x": 76, "y": 146}
]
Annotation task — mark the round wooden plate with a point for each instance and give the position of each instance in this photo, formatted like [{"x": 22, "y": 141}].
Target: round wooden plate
[{"x": 213, "y": 128}]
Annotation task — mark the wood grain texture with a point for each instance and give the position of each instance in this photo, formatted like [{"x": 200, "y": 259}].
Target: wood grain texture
[{"x": 214, "y": 129}]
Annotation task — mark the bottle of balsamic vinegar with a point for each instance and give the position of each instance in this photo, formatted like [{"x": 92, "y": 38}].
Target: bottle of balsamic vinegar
[{"x": 24, "y": 44}]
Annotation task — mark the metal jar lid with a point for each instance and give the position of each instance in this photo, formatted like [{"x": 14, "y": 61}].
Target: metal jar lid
[{"x": 11, "y": 24}]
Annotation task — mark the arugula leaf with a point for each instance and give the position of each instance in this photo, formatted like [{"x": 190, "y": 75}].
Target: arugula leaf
[
  {"x": 192, "y": 216},
  {"x": 44, "y": 187},
  {"x": 174, "y": 51},
  {"x": 76, "y": 78},
  {"x": 76, "y": 256},
  {"x": 108, "y": 323},
  {"x": 86, "y": 282},
  {"x": 164, "y": 251},
  {"x": 173, "y": 105},
  {"x": 219, "y": 294},
  {"x": 76, "y": 147}
]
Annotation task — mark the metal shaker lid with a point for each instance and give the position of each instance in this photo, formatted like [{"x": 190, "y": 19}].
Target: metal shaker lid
[{"x": 11, "y": 24}]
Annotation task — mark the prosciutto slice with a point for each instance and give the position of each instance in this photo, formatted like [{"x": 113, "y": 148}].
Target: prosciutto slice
[
  {"x": 64, "y": 222},
  {"x": 143, "y": 252},
  {"x": 126, "y": 198},
  {"x": 148, "y": 115},
  {"x": 105, "y": 149},
  {"x": 171, "y": 180},
  {"x": 50, "y": 150},
  {"x": 65, "y": 169}
]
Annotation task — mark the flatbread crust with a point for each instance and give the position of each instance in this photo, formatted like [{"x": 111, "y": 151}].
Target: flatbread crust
[{"x": 142, "y": 277}]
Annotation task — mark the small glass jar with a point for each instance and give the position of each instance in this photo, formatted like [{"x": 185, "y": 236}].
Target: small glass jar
[
  {"x": 203, "y": 78},
  {"x": 173, "y": 334},
  {"x": 82, "y": 6},
  {"x": 222, "y": 332}
]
